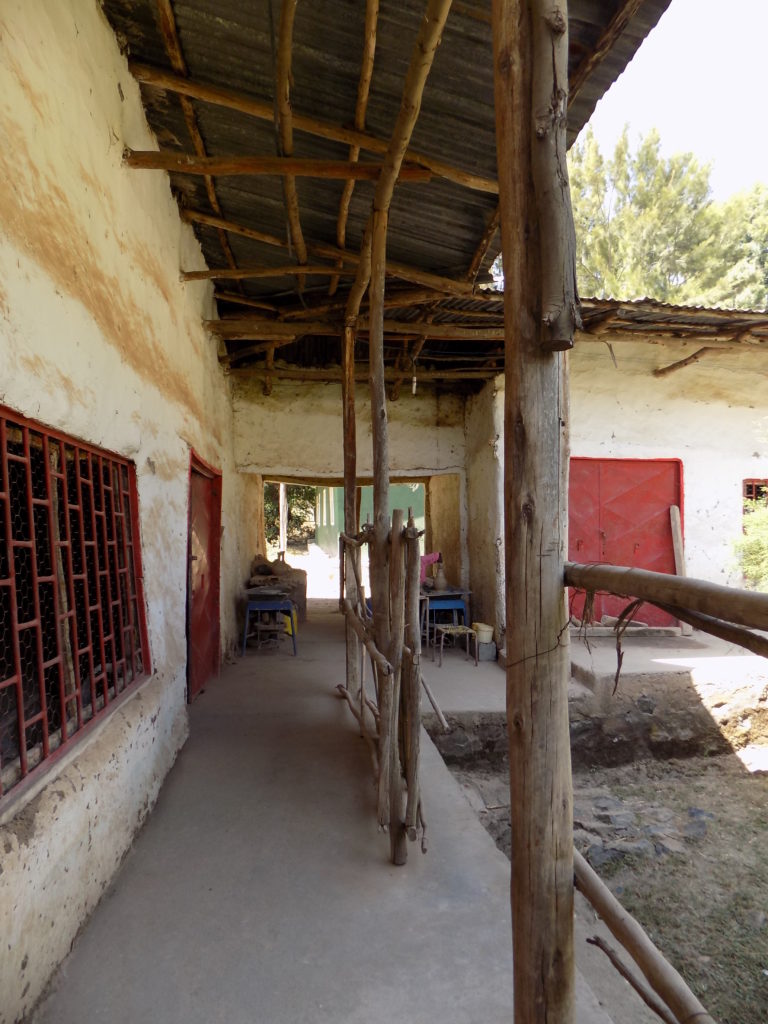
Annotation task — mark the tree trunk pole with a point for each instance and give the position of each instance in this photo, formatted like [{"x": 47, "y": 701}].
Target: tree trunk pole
[
  {"x": 535, "y": 505},
  {"x": 283, "y": 504},
  {"x": 351, "y": 555}
]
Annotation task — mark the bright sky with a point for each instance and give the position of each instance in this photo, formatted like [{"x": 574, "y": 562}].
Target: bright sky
[{"x": 701, "y": 79}]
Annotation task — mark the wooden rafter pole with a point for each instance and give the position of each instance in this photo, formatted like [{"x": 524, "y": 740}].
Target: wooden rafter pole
[
  {"x": 284, "y": 115},
  {"x": 446, "y": 285},
  {"x": 245, "y": 104},
  {"x": 172, "y": 46},
  {"x": 288, "y": 166},
  {"x": 257, "y": 273},
  {"x": 363, "y": 89},
  {"x": 334, "y": 374},
  {"x": 535, "y": 504},
  {"x": 243, "y": 328},
  {"x": 491, "y": 229},
  {"x": 597, "y": 54}
]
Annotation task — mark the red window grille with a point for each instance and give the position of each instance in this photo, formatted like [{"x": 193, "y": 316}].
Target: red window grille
[
  {"x": 755, "y": 490},
  {"x": 72, "y": 628}
]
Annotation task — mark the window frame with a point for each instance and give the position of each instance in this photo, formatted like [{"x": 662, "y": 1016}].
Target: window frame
[{"x": 115, "y": 564}]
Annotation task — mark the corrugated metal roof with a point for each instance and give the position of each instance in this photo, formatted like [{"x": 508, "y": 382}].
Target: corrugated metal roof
[{"x": 436, "y": 226}]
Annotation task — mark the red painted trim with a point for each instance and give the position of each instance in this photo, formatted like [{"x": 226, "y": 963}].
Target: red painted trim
[{"x": 199, "y": 465}]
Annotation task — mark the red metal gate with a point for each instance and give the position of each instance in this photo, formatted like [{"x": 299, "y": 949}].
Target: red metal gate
[
  {"x": 203, "y": 626},
  {"x": 619, "y": 514}
]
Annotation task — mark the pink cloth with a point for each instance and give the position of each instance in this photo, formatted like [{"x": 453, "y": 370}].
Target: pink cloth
[{"x": 426, "y": 561}]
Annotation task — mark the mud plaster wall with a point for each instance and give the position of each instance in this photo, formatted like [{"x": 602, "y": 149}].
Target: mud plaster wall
[
  {"x": 712, "y": 415},
  {"x": 297, "y": 432},
  {"x": 447, "y": 512},
  {"x": 99, "y": 338},
  {"x": 485, "y": 503}
]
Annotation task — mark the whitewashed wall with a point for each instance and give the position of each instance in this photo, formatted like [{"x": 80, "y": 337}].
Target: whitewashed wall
[
  {"x": 713, "y": 415},
  {"x": 297, "y": 431},
  {"x": 99, "y": 338}
]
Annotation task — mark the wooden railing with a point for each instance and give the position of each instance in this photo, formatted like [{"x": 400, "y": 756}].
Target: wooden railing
[
  {"x": 390, "y": 717},
  {"x": 725, "y": 612}
]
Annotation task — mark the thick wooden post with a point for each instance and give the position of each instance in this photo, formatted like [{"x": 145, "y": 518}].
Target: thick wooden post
[
  {"x": 535, "y": 505},
  {"x": 350, "y": 507},
  {"x": 282, "y": 543}
]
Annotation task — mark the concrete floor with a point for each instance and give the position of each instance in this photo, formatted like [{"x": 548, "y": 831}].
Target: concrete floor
[{"x": 260, "y": 890}]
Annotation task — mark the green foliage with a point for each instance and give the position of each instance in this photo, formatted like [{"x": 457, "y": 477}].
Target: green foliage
[
  {"x": 752, "y": 547},
  {"x": 647, "y": 227},
  {"x": 301, "y": 513}
]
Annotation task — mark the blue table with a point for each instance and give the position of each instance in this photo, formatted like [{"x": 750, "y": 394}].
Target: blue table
[
  {"x": 275, "y": 606},
  {"x": 452, "y": 599}
]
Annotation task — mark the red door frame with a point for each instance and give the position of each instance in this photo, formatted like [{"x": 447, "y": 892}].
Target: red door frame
[{"x": 199, "y": 466}]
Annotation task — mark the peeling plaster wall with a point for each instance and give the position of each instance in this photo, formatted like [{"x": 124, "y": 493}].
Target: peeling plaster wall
[
  {"x": 485, "y": 494},
  {"x": 99, "y": 338},
  {"x": 296, "y": 432},
  {"x": 712, "y": 415}
]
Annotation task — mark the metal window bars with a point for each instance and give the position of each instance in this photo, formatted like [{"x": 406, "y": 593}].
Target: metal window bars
[{"x": 72, "y": 628}]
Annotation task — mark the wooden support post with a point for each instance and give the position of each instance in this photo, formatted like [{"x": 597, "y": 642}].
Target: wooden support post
[
  {"x": 397, "y": 845},
  {"x": 535, "y": 504},
  {"x": 411, "y": 678},
  {"x": 283, "y": 516},
  {"x": 352, "y": 554}
]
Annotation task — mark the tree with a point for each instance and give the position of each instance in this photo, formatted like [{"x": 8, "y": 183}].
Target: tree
[
  {"x": 301, "y": 513},
  {"x": 752, "y": 547},
  {"x": 645, "y": 224}
]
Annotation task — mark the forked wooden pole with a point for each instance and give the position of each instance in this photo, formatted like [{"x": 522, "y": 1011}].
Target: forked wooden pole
[{"x": 535, "y": 502}]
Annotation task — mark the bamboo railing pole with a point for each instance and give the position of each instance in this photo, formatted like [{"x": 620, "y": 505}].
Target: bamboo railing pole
[
  {"x": 661, "y": 975},
  {"x": 398, "y": 845},
  {"x": 535, "y": 503},
  {"x": 744, "y": 607},
  {"x": 717, "y": 627}
]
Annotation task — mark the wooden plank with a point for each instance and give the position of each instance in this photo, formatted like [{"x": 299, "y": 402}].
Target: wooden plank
[
  {"x": 287, "y": 166},
  {"x": 245, "y": 104},
  {"x": 535, "y": 504},
  {"x": 679, "y": 552},
  {"x": 745, "y": 607}
]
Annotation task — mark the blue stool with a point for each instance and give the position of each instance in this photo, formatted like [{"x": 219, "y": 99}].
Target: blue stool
[{"x": 275, "y": 606}]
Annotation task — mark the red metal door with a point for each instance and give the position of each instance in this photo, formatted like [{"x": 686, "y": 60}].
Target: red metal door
[
  {"x": 203, "y": 630},
  {"x": 619, "y": 514}
]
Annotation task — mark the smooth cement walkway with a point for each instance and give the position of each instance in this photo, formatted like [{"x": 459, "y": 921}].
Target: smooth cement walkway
[{"x": 259, "y": 891}]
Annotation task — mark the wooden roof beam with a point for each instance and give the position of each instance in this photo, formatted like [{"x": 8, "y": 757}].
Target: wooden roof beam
[
  {"x": 284, "y": 121},
  {"x": 332, "y": 375},
  {"x": 288, "y": 167},
  {"x": 603, "y": 47},
  {"x": 172, "y": 45},
  {"x": 258, "y": 273},
  {"x": 244, "y": 104},
  {"x": 244, "y": 328},
  {"x": 445, "y": 285},
  {"x": 363, "y": 89}
]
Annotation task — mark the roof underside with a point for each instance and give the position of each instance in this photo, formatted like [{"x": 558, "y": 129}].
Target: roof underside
[{"x": 435, "y": 227}]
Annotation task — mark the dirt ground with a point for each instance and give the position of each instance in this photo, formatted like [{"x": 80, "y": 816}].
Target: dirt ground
[{"x": 684, "y": 845}]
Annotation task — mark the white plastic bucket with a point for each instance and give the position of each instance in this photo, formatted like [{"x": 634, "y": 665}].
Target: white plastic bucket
[{"x": 484, "y": 632}]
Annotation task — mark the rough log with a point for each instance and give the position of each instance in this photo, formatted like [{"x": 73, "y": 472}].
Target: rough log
[
  {"x": 287, "y": 166},
  {"x": 744, "y": 607},
  {"x": 445, "y": 285},
  {"x": 244, "y": 328},
  {"x": 491, "y": 230},
  {"x": 661, "y": 976},
  {"x": 284, "y": 122},
  {"x": 363, "y": 89},
  {"x": 718, "y": 627},
  {"x": 535, "y": 504},
  {"x": 245, "y": 104},
  {"x": 411, "y": 688},
  {"x": 349, "y": 449},
  {"x": 376, "y": 656},
  {"x": 557, "y": 238},
  {"x": 362, "y": 371},
  {"x": 397, "y": 833},
  {"x": 172, "y": 45},
  {"x": 256, "y": 273}
]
